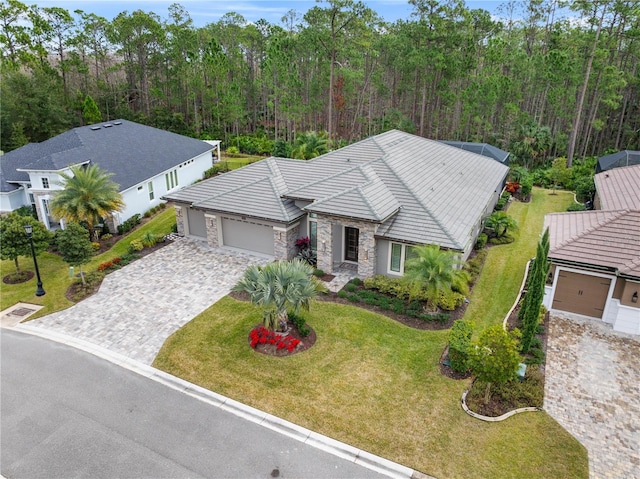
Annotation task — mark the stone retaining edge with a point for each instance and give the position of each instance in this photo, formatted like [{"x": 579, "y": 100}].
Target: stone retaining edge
[{"x": 463, "y": 400}]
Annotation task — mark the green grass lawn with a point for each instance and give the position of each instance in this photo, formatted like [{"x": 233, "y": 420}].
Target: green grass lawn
[
  {"x": 374, "y": 383},
  {"x": 498, "y": 285},
  {"x": 55, "y": 272},
  {"x": 238, "y": 160}
]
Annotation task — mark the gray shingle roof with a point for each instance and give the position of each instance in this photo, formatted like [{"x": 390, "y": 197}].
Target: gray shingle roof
[
  {"x": 484, "y": 149},
  {"x": 420, "y": 190},
  {"x": 131, "y": 151}
]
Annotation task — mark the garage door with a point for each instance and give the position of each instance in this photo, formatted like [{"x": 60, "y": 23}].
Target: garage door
[
  {"x": 581, "y": 294},
  {"x": 196, "y": 224},
  {"x": 247, "y": 235}
]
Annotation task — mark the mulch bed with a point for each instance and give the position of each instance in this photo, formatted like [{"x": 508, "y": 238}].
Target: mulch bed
[
  {"x": 305, "y": 342},
  {"x": 16, "y": 278},
  {"x": 446, "y": 370}
]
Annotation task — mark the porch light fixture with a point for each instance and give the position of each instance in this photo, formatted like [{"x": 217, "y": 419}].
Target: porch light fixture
[
  {"x": 634, "y": 297},
  {"x": 39, "y": 289},
  {"x": 324, "y": 246}
]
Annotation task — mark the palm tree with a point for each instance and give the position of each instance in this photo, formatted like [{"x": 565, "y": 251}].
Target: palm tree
[
  {"x": 501, "y": 223},
  {"x": 434, "y": 270},
  {"x": 88, "y": 195},
  {"x": 309, "y": 145},
  {"x": 280, "y": 286}
]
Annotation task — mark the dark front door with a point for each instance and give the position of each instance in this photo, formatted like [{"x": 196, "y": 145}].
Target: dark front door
[{"x": 351, "y": 244}]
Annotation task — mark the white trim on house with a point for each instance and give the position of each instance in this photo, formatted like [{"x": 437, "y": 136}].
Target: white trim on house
[{"x": 612, "y": 285}]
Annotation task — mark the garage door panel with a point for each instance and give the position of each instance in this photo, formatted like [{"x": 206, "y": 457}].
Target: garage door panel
[
  {"x": 196, "y": 223},
  {"x": 251, "y": 236},
  {"x": 581, "y": 294}
]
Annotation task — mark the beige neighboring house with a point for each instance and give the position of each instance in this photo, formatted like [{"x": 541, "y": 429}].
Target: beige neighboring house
[{"x": 595, "y": 255}]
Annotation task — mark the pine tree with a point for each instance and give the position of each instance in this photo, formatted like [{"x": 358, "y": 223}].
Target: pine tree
[{"x": 90, "y": 111}]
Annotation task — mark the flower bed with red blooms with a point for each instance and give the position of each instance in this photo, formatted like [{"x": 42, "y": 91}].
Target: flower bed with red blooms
[
  {"x": 262, "y": 335},
  {"x": 280, "y": 344},
  {"x": 113, "y": 264}
]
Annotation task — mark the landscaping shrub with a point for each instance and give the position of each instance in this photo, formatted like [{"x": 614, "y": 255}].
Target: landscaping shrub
[
  {"x": 526, "y": 186},
  {"x": 233, "y": 150},
  {"x": 149, "y": 239},
  {"x": 174, "y": 228},
  {"x": 129, "y": 224},
  {"x": 136, "y": 245},
  {"x": 397, "y": 306},
  {"x": 576, "y": 207},
  {"x": 354, "y": 298},
  {"x": 481, "y": 241},
  {"x": 505, "y": 239},
  {"x": 450, "y": 300},
  {"x": 318, "y": 272},
  {"x": 474, "y": 265},
  {"x": 356, "y": 281},
  {"x": 300, "y": 323},
  {"x": 342, "y": 294},
  {"x": 110, "y": 265},
  {"x": 95, "y": 245},
  {"x": 459, "y": 342},
  {"x": 106, "y": 236},
  {"x": 350, "y": 287},
  {"x": 438, "y": 317}
]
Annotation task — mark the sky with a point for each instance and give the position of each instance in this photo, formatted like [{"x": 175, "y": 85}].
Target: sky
[{"x": 204, "y": 12}]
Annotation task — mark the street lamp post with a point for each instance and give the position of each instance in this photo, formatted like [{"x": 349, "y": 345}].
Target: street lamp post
[{"x": 39, "y": 290}]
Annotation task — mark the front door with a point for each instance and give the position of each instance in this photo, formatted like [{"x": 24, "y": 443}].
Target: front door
[{"x": 351, "y": 244}]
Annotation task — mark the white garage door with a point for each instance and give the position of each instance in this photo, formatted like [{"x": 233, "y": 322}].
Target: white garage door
[
  {"x": 196, "y": 223},
  {"x": 247, "y": 235}
]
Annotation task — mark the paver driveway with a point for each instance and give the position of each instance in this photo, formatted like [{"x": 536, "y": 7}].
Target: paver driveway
[
  {"x": 592, "y": 388},
  {"x": 140, "y": 305}
]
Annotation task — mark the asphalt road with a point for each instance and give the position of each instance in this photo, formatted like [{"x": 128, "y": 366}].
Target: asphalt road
[{"x": 65, "y": 413}]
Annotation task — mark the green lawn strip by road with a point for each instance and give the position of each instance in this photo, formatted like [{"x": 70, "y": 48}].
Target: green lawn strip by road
[
  {"x": 55, "y": 272},
  {"x": 503, "y": 270},
  {"x": 372, "y": 383}
]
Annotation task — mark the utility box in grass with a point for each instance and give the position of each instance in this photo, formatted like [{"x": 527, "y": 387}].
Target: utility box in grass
[{"x": 522, "y": 369}]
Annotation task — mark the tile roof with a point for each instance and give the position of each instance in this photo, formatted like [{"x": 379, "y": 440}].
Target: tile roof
[
  {"x": 601, "y": 238},
  {"x": 420, "y": 190},
  {"x": 131, "y": 151},
  {"x": 619, "y": 188}
]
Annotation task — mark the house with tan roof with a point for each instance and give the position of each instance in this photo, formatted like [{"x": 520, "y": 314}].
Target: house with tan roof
[
  {"x": 364, "y": 205},
  {"x": 595, "y": 255}
]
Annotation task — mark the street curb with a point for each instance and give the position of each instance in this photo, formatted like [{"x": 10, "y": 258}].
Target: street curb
[{"x": 299, "y": 433}]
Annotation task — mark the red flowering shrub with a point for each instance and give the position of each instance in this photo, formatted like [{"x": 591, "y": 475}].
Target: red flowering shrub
[
  {"x": 513, "y": 186},
  {"x": 262, "y": 335},
  {"x": 111, "y": 264}
]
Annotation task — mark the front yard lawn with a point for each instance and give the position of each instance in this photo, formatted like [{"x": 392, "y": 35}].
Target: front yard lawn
[{"x": 375, "y": 383}]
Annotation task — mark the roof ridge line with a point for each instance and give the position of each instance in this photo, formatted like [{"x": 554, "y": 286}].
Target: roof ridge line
[{"x": 427, "y": 210}]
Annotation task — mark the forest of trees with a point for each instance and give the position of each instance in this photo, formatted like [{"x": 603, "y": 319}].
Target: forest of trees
[{"x": 549, "y": 79}]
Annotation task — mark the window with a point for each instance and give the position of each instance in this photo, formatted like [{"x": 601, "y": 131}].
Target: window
[
  {"x": 45, "y": 183},
  {"x": 45, "y": 207},
  {"x": 396, "y": 257},
  {"x": 171, "y": 179},
  {"x": 150, "y": 188},
  {"x": 313, "y": 235},
  {"x": 400, "y": 253}
]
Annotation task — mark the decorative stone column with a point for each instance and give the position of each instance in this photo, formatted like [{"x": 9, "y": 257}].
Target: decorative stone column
[
  {"x": 211, "y": 223},
  {"x": 366, "y": 249},
  {"x": 179, "y": 219},
  {"x": 284, "y": 242},
  {"x": 325, "y": 243}
]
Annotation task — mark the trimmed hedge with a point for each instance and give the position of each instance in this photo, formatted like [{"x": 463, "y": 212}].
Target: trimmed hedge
[{"x": 459, "y": 342}]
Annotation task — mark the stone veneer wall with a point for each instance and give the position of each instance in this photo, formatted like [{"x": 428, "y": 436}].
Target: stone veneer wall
[
  {"x": 211, "y": 223},
  {"x": 179, "y": 219},
  {"x": 366, "y": 244},
  {"x": 284, "y": 242}
]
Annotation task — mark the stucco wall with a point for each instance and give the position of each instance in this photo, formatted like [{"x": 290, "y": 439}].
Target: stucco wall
[{"x": 13, "y": 200}]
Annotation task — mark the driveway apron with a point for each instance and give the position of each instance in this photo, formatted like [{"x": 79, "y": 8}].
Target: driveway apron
[
  {"x": 592, "y": 390},
  {"x": 139, "y": 306}
]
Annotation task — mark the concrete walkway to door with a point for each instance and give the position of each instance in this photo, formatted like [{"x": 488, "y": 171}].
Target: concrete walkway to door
[{"x": 139, "y": 306}]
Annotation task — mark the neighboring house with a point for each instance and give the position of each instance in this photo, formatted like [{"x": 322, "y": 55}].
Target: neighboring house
[
  {"x": 484, "y": 149},
  {"x": 595, "y": 255},
  {"x": 364, "y": 205},
  {"x": 145, "y": 162},
  {"x": 617, "y": 160}
]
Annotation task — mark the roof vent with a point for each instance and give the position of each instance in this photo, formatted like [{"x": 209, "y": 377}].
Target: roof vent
[
  {"x": 107, "y": 125},
  {"x": 94, "y": 128},
  {"x": 117, "y": 123}
]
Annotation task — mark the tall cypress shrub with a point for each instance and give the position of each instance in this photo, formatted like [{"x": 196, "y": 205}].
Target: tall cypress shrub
[{"x": 530, "y": 311}]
